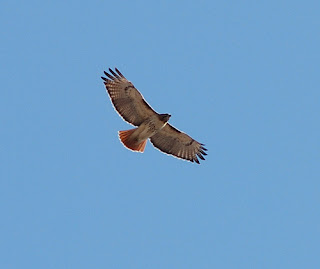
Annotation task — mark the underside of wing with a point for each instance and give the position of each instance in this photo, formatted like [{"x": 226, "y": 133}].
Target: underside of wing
[
  {"x": 176, "y": 143},
  {"x": 127, "y": 100}
]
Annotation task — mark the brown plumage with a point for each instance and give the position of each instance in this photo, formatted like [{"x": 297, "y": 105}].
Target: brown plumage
[{"x": 132, "y": 107}]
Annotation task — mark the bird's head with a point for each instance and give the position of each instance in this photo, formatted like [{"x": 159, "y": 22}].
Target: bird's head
[{"x": 164, "y": 117}]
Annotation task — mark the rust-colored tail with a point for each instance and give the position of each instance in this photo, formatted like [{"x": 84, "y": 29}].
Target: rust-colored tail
[{"x": 126, "y": 139}]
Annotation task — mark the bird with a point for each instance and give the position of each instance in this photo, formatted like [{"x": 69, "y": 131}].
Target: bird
[{"x": 133, "y": 108}]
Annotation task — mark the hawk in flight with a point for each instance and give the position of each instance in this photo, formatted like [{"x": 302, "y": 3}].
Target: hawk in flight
[{"x": 132, "y": 107}]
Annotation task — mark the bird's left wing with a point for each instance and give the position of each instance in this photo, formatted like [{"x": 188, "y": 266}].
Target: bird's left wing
[
  {"x": 174, "y": 142},
  {"x": 127, "y": 100}
]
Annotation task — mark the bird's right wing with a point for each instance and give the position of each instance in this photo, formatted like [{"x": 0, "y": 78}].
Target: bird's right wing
[{"x": 127, "y": 100}]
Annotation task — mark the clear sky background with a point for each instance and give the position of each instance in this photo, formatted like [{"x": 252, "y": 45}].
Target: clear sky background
[{"x": 241, "y": 77}]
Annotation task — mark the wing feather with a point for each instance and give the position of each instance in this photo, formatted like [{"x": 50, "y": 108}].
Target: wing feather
[
  {"x": 126, "y": 99},
  {"x": 174, "y": 142}
]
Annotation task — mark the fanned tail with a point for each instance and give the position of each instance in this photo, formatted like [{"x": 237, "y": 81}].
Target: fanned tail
[{"x": 126, "y": 139}]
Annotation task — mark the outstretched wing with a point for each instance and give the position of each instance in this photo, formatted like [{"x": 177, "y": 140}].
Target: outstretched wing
[
  {"x": 172, "y": 141},
  {"x": 127, "y": 100}
]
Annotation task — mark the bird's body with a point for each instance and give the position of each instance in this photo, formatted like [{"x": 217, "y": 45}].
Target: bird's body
[
  {"x": 146, "y": 129},
  {"x": 131, "y": 106}
]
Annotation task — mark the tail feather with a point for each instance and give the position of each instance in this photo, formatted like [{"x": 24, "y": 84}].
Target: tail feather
[{"x": 129, "y": 142}]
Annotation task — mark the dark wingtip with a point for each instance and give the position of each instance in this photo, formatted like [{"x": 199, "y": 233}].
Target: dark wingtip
[
  {"x": 108, "y": 75},
  {"x": 202, "y": 146},
  {"x": 113, "y": 73},
  {"x": 202, "y": 152},
  {"x": 117, "y": 70},
  {"x": 104, "y": 78}
]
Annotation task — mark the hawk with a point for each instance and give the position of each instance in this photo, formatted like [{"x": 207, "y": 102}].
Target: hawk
[{"x": 132, "y": 107}]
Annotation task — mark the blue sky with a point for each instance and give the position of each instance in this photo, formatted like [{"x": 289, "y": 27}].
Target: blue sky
[{"x": 240, "y": 76}]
